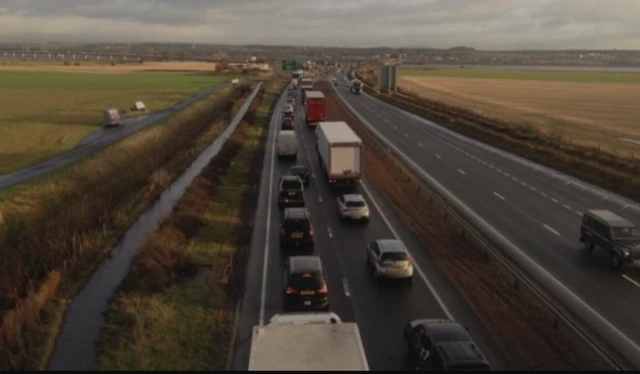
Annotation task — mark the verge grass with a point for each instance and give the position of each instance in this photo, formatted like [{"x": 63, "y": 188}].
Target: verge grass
[
  {"x": 176, "y": 308},
  {"x": 55, "y": 231},
  {"x": 47, "y": 113},
  {"x": 535, "y": 75}
]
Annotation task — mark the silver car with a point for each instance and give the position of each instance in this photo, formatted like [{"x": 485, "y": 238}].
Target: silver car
[
  {"x": 353, "y": 206},
  {"x": 388, "y": 258}
]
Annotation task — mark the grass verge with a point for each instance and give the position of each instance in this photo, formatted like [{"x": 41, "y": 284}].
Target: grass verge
[
  {"x": 589, "y": 163},
  {"x": 519, "y": 323},
  {"x": 54, "y": 232},
  {"x": 176, "y": 308}
]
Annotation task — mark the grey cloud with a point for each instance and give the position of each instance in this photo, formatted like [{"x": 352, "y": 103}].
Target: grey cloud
[{"x": 486, "y": 24}]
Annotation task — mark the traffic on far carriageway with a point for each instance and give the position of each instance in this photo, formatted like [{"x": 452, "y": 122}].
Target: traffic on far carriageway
[{"x": 88, "y": 112}]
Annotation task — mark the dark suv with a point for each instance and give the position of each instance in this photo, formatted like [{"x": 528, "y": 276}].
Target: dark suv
[
  {"x": 442, "y": 345},
  {"x": 305, "y": 284},
  {"x": 302, "y": 172},
  {"x": 296, "y": 230},
  {"x": 287, "y": 124},
  {"x": 611, "y": 233},
  {"x": 291, "y": 191}
]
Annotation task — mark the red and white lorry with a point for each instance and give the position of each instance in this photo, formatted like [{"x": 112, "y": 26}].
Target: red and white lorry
[{"x": 314, "y": 108}]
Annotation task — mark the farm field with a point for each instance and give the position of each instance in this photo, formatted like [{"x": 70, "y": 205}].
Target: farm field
[
  {"x": 589, "y": 108},
  {"x": 46, "y": 113}
]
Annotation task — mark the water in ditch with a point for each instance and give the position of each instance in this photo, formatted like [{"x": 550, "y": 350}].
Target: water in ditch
[{"x": 75, "y": 346}]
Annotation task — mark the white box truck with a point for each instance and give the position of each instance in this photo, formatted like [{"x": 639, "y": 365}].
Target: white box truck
[
  {"x": 317, "y": 341},
  {"x": 339, "y": 153}
]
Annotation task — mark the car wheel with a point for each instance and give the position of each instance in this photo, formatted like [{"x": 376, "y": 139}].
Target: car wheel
[
  {"x": 616, "y": 261},
  {"x": 588, "y": 244},
  {"x": 407, "y": 351}
]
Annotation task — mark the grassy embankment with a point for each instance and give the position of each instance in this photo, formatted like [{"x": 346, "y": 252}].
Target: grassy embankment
[
  {"x": 47, "y": 113},
  {"x": 574, "y": 124},
  {"x": 55, "y": 231},
  {"x": 176, "y": 308}
]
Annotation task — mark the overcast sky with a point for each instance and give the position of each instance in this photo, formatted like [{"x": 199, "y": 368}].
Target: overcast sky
[{"x": 483, "y": 24}]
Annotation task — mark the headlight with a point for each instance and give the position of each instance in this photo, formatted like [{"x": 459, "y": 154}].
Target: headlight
[{"x": 626, "y": 253}]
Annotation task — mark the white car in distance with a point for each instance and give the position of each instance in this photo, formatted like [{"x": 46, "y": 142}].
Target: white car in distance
[{"x": 353, "y": 206}]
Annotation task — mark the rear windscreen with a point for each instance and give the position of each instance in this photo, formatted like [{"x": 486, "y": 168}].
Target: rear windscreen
[
  {"x": 355, "y": 204},
  {"x": 291, "y": 185},
  {"x": 306, "y": 281},
  {"x": 297, "y": 224},
  {"x": 394, "y": 256}
]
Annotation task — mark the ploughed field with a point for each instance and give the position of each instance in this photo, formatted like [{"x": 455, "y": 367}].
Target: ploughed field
[
  {"x": 599, "y": 109},
  {"x": 46, "y": 113}
]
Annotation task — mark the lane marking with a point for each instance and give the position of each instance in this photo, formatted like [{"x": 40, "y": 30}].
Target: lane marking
[
  {"x": 345, "y": 286},
  {"x": 566, "y": 206},
  {"x": 265, "y": 261},
  {"x": 500, "y": 196},
  {"x": 462, "y": 172},
  {"x": 406, "y": 135},
  {"x": 544, "y": 194},
  {"x": 395, "y": 127},
  {"x": 533, "y": 189},
  {"x": 438, "y": 156},
  {"x": 415, "y": 265},
  {"x": 319, "y": 198},
  {"x": 579, "y": 213},
  {"x": 554, "y": 200},
  {"x": 420, "y": 145},
  {"x": 550, "y": 229},
  {"x": 631, "y": 280},
  {"x": 329, "y": 232}
]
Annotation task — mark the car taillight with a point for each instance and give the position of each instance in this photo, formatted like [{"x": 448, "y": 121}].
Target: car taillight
[
  {"x": 291, "y": 291},
  {"x": 345, "y": 209},
  {"x": 282, "y": 232},
  {"x": 323, "y": 289},
  {"x": 311, "y": 231}
]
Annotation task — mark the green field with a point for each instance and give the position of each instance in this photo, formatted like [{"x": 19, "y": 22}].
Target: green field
[
  {"x": 556, "y": 76},
  {"x": 47, "y": 113}
]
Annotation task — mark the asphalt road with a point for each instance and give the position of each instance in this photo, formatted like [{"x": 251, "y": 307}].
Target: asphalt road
[
  {"x": 97, "y": 141},
  {"x": 536, "y": 208},
  {"x": 380, "y": 310}
]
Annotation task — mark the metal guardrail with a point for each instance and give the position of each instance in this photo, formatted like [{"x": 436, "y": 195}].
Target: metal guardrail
[{"x": 543, "y": 285}]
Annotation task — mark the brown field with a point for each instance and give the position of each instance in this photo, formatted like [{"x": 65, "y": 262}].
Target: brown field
[
  {"x": 95, "y": 67},
  {"x": 594, "y": 114}
]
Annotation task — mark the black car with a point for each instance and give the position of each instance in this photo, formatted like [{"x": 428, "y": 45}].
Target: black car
[
  {"x": 442, "y": 345},
  {"x": 287, "y": 123},
  {"x": 611, "y": 233},
  {"x": 305, "y": 284},
  {"x": 290, "y": 191},
  {"x": 296, "y": 229},
  {"x": 302, "y": 172}
]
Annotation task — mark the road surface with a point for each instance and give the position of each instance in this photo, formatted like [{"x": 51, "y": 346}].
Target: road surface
[
  {"x": 536, "y": 208},
  {"x": 97, "y": 141},
  {"x": 380, "y": 310}
]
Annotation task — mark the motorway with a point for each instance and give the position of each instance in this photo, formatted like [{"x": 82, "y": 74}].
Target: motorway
[
  {"x": 98, "y": 140},
  {"x": 380, "y": 310},
  {"x": 536, "y": 208}
]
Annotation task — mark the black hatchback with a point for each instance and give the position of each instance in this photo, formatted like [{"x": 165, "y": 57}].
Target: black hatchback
[
  {"x": 287, "y": 124},
  {"x": 302, "y": 172},
  {"x": 290, "y": 191},
  {"x": 305, "y": 284},
  {"x": 296, "y": 230}
]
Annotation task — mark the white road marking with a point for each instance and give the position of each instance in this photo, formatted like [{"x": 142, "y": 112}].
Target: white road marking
[
  {"x": 329, "y": 232},
  {"x": 507, "y": 174},
  {"x": 438, "y": 156},
  {"x": 406, "y": 135},
  {"x": 533, "y": 189},
  {"x": 500, "y": 196},
  {"x": 554, "y": 200},
  {"x": 544, "y": 194},
  {"x": 265, "y": 262},
  {"x": 462, "y": 172},
  {"x": 395, "y": 127},
  {"x": 631, "y": 280},
  {"x": 566, "y": 206},
  {"x": 319, "y": 198},
  {"x": 420, "y": 145},
  {"x": 416, "y": 268},
  {"x": 345, "y": 286},
  {"x": 552, "y": 230},
  {"x": 625, "y": 207},
  {"x": 579, "y": 213}
]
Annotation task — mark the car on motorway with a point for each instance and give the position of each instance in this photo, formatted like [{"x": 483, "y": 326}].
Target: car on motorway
[
  {"x": 291, "y": 101},
  {"x": 291, "y": 191},
  {"x": 389, "y": 258},
  {"x": 287, "y": 124},
  {"x": 305, "y": 284},
  {"x": 353, "y": 206},
  {"x": 442, "y": 345},
  {"x": 611, "y": 233},
  {"x": 287, "y": 144},
  {"x": 296, "y": 230},
  {"x": 302, "y": 172},
  {"x": 288, "y": 108}
]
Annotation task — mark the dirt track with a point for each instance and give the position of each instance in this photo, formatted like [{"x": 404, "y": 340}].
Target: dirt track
[{"x": 516, "y": 319}]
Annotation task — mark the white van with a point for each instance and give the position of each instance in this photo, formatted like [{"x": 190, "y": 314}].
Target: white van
[{"x": 287, "y": 144}]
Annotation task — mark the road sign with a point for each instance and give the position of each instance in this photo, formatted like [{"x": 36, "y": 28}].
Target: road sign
[{"x": 290, "y": 65}]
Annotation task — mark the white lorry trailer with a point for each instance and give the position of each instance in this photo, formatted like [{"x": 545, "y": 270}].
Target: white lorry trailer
[
  {"x": 339, "y": 153},
  {"x": 307, "y": 342}
]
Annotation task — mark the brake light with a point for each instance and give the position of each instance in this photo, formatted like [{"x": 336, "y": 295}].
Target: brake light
[
  {"x": 282, "y": 232},
  {"x": 345, "y": 209},
  {"x": 323, "y": 290},
  {"x": 291, "y": 291},
  {"x": 311, "y": 231}
]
